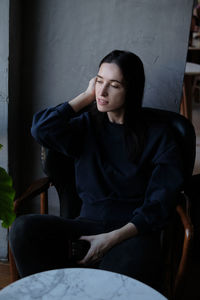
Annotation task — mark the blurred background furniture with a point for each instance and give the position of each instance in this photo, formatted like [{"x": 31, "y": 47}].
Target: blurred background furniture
[
  {"x": 194, "y": 37},
  {"x": 177, "y": 237},
  {"x": 190, "y": 86}
]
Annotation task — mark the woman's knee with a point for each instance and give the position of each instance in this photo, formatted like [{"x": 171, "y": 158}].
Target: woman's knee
[{"x": 21, "y": 229}]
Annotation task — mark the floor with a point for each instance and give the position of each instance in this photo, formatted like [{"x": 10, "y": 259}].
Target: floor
[
  {"x": 191, "y": 289},
  {"x": 4, "y": 274}
]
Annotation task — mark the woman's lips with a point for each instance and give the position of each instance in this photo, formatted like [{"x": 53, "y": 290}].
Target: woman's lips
[{"x": 102, "y": 102}]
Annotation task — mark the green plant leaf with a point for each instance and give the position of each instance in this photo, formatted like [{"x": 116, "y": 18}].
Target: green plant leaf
[{"x": 7, "y": 194}]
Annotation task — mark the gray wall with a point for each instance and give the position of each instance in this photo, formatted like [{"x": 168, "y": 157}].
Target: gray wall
[
  {"x": 62, "y": 43},
  {"x": 70, "y": 37}
]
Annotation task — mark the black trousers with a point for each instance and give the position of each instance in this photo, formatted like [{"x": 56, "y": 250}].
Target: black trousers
[{"x": 40, "y": 243}]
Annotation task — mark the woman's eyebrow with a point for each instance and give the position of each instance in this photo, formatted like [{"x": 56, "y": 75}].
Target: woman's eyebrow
[{"x": 110, "y": 79}]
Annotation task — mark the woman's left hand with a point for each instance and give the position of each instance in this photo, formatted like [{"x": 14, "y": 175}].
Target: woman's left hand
[{"x": 99, "y": 245}]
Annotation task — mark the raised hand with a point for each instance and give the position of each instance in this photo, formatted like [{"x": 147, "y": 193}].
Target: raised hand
[
  {"x": 84, "y": 98},
  {"x": 90, "y": 92}
]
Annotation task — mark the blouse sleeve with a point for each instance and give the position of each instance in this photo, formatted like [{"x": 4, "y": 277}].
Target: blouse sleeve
[
  {"x": 59, "y": 129},
  {"x": 161, "y": 195}
]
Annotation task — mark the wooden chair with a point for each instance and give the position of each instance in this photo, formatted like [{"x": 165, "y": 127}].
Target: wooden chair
[{"x": 177, "y": 237}]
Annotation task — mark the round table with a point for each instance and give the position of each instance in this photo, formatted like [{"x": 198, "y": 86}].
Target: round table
[{"x": 79, "y": 284}]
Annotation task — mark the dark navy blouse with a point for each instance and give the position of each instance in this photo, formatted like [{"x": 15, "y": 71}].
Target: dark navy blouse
[{"x": 111, "y": 187}]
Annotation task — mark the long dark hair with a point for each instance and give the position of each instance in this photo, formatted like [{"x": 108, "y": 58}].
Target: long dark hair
[{"x": 132, "y": 69}]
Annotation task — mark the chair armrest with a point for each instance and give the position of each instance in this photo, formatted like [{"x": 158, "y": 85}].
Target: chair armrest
[
  {"x": 36, "y": 188},
  {"x": 39, "y": 187},
  {"x": 188, "y": 236}
]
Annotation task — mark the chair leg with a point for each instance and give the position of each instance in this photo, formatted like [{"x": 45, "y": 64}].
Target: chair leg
[
  {"x": 14, "y": 275},
  {"x": 183, "y": 107},
  {"x": 44, "y": 203}
]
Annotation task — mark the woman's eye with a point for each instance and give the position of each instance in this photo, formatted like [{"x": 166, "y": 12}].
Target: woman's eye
[
  {"x": 115, "y": 86},
  {"x": 99, "y": 81}
]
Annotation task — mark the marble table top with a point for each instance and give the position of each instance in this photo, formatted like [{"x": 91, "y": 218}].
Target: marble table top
[{"x": 79, "y": 284}]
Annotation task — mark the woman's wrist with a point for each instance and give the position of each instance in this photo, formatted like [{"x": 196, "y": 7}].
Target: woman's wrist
[
  {"x": 81, "y": 101},
  {"x": 123, "y": 233},
  {"x": 84, "y": 98}
]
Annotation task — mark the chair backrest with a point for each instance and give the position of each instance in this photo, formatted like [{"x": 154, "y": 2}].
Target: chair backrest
[{"x": 61, "y": 168}]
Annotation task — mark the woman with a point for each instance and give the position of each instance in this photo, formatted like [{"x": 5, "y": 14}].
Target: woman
[{"x": 128, "y": 174}]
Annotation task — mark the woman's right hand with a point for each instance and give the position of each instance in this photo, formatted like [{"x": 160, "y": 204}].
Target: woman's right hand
[
  {"x": 85, "y": 98},
  {"x": 90, "y": 91}
]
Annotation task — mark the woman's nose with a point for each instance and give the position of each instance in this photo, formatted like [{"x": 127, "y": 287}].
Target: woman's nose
[{"x": 104, "y": 90}]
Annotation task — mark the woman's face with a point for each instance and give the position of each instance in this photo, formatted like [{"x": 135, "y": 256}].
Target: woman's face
[{"x": 110, "y": 88}]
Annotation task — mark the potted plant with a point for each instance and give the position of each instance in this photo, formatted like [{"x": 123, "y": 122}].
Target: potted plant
[{"x": 7, "y": 194}]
